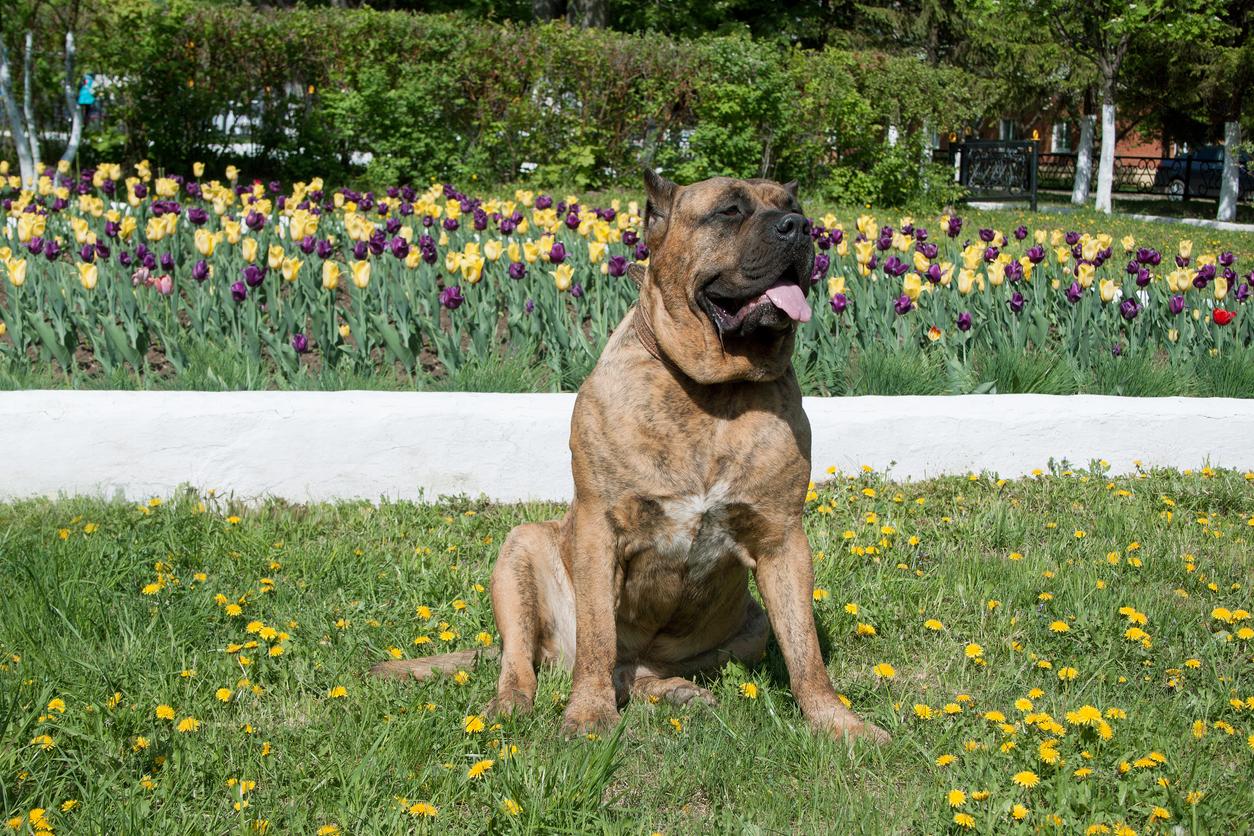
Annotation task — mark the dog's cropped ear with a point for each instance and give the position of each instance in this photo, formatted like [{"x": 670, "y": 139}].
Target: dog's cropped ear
[
  {"x": 635, "y": 272},
  {"x": 791, "y": 188},
  {"x": 659, "y": 195}
]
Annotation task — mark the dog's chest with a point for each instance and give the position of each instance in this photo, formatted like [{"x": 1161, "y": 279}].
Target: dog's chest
[{"x": 696, "y": 528}]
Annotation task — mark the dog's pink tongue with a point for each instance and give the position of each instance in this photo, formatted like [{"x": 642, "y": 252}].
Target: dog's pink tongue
[{"x": 789, "y": 299}]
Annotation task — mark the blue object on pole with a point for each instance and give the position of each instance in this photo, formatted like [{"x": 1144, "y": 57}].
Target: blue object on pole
[{"x": 85, "y": 96}]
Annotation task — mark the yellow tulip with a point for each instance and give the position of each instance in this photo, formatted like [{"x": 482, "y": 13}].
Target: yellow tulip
[
  {"x": 842, "y": 249},
  {"x": 88, "y": 274},
  {"x": 330, "y": 275},
  {"x": 828, "y": 221},
  {"x": 912, "y": 285},
  {"x": 966, "y": 280},
  {"x": 17, "y": 271},
  {"x": 1027, "y": 265},
  {"x": 835, "y": 284},
  {"x": 361, "y": 273},
  {"x": 1221, "y": 288},
  {"x": 154, "y": 229},
  {"x": 345, "y": 331},
  {"x": 1179, "y": 280},
  {"x": 972, "y": 255},
  {"x": 198, "y": 169},
  {"x": 902, "y": 243},
  {"x": 232, "y": 230},
  {"x": 1056, "y": 237},
  {"x": 127, "y": 228},
  {"x": 1063, "y": 254},
  {"x": 291, "y": 268},
  {"x": 526, "y": 198},
  {"x": 205, "y": 242},
  {"x": 1129, "y": 243},
  {"x": 920, "y": 262},
  {"x": 562, "y": 276},
  {"x": 30, "y": 226},
  {"x": 413, "y": 258},
  {"x": 596, "y": 252},
  {"x": 1186, "y": 248},
  {"x": 274, "y": 258},
  {"x": 1107, "y": 289},
  {"x": 867, "y": 225},
  {"x": 453, "y": 209},
  {"x": 514, "y": 251},
  {"x": 863, "y": 250},
  {"x": 531, "y": 252},
  {"x": 232, "y": 173},
  {"x": 947, "y": 273},
  {"x": 249, "y": 250},
  {"x": 1040, "y": 236},
  {"x": 996, "y": 273},
  {"x": 1084, "y": 274},
  {"x": 452, "y": 261},
  {"x": 1089, "y": 248},
  {"x": 472, "y": 268}
]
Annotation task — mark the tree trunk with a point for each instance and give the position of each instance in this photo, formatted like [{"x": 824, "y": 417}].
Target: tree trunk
[
  {"x": 1083, "y": 162},
  {"x": 1106, "y": 166},
  {"x": 1230, "y": 188},
  {"x": 25, "y": 164},
  {"x": 71, "y": 102},
  {"x": 28, "y": 107},
  {"x": 587, "y": 14},
  {"x": 545, "y": 9}
]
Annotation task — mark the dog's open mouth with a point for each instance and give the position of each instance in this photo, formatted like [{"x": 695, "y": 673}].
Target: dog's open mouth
[{"x": 777, "y": 307}]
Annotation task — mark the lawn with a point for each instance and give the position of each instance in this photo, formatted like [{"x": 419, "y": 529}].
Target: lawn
[{"x": 1056, "y": 652}]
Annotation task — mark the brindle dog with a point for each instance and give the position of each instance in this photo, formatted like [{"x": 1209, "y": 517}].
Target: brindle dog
[{"x": 691, "y": 455}]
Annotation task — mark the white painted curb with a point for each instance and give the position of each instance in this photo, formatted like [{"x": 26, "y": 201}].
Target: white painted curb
[{"x": 309, "y": 446}]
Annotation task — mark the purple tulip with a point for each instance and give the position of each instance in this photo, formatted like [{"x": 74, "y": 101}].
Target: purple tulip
[
  {"x": 576, "y": 290},
  {"x": 324, "y": 248},
  {"x": 954, "y": 228},
  {"x": 920, "y": 233},
  {"x": 1242, "y": 292},
  {"x": 1181, "y": 261},
  {"x": 307, "y": 244},
  {"x": 239, "y": 292},
  {"x": 254, "y": 275},
  {"x": 837, "y": 235},
  {"x": 903, "y": 305},
  {"x": 102, "y": 250},
  {"x": 1176, "y": 305},
  {"x": 1014, "y": 272},
  {"x": 964, "y": 321},
  {"x": 1072, "y": 238},
  {"x": 197, "y": 216},
  {"x": 987, "y": 235},
  {"x": 929, "y": 251},
  {"x": 300, "y": 342},
  {"x": 1131, "y": 268},
  {"x": 1035, "y": 253},
  {"x": 112, "y": 228},
  {"x": 630, "y": 238},
  {"x": 1021, "y": 232},
  {"x": 451, "y": 224},
  {"x": 617, "y": 265},
  {"x": 150, "y": 261},
  {"x": 1116, "y": 350},
  {"x": 933, "y": 273},
  {"x": 141, "y": 191},
  {"x": 1143, "y": 277},
  {"x": 167, "y": 261},
  {"x": 124, "y": 258},
  {"x": 35, "y": 246},
  {"x": 544, "y": 202},
  {"x": 821, "y": 263},
  {"x": 200, "y": 270},
  {"x": 642, "y": 252},
  {"x": 254, "y": 220},
  {"x": 507, "y": 226},
  {"x": 52, "y": 250},
  {"x": 451, "y": 297},
  {"x": 1226, "y": 259},
  {"x": 839, "y": 303},
  {"x": 894, "y": 266},
  {"x": 1017, "y": 302},
  {"x": 399, "y": 247},
  {"x": 558, "y": 254},
  {"x": 360, "y": 251},
  {"x": 990, "y": 254},
  {"x": 1128, "y": 309}
]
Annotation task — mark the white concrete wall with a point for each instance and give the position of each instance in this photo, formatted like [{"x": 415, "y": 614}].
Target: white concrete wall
[{"x": 327, "y": 445}]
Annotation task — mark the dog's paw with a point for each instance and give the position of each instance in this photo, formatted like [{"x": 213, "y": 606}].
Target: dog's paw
[
  {"x": 589, "y": 714},
  {"x": 862, "y": 730},
  {"x": 509, "y": 703},
  {"x": 676, "y": 691}
]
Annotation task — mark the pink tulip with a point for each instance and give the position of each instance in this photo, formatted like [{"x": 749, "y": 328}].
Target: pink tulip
[{"x": 164, "y": 284}]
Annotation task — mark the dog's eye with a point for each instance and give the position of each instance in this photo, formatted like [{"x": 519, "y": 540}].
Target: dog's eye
[{"x": 730, "y": 212}]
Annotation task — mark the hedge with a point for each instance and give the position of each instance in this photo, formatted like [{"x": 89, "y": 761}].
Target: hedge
[{"x": 447, "y": 96}]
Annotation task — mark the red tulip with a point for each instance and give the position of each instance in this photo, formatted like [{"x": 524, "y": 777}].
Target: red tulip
[{"x": 1223, "y": 317}]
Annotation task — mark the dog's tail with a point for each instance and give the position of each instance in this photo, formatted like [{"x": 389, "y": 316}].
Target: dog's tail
[{"x": 429, "y": 666}]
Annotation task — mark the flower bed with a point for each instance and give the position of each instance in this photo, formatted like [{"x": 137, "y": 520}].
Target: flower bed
[{"x": 112, "y": 271}]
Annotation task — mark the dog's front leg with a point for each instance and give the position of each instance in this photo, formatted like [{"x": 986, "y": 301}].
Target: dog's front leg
[
  {"x": 786, "y": 581},
  {"x": 592, "y": 561}
]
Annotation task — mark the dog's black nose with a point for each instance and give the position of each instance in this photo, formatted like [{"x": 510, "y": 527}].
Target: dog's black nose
[{"x": 792, "y": 225}]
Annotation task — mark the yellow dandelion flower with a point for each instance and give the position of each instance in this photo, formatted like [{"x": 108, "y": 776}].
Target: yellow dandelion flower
[
  {"x": 946, "y": 760},
  {"x": 338, "y": 692},
  {"x": 1059, "y": 627},
  {"x": 511, "y": 807},
  {"x": 1026, "y": 779},
  {"x": 461, "y": 677},
  {"x": 884, "y": 670},
  {"x": 749, "y": 690},
  {"x": 473, "y": 724},
  {"x": 820, "y": 594},
  {"x": 422, "y": 808},
  {"x": 479, "y": 768},
  {"x": 223, "y": 694},
  {"x": 165, "y": 712},
  {"x": 973, "y": 651},
  {"x": 329, "y": 830},
  {"x": 43, "y": 741},
  {"x": 934, "y": 625},
  {"x": 964, "y": 820},
  {"x": 956, "y": 798},
  {"x": 188, "y": 725}
]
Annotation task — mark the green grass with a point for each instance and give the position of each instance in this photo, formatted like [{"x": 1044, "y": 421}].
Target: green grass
[{"x": 104, "y": 609}]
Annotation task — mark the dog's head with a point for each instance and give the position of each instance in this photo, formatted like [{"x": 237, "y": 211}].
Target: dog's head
[{"x": 729, "y": 268}]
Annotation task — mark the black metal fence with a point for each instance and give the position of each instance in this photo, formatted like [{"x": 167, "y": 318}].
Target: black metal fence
[{"x": 994, "y": 170}]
